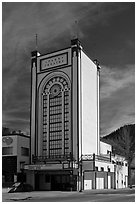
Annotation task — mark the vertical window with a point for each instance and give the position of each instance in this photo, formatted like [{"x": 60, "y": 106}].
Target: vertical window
[
  {"x": 108, "y": 169},
  {"x": 24, "y": 151},
  {"x": 102, "y": 168},
  {"x": 56, "y": 119}
]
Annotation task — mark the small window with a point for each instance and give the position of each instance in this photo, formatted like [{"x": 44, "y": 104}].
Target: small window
[
  {"x": 7, "y": 150},
  {"x": 102, "y": 168},
  {"x": 108, "y": 152},
  {"x": 96, "y": 168},
  {"x": 125, "y": 164},
  {"x": 108, "y": 169},
  {"x": 24, "y": 151}
]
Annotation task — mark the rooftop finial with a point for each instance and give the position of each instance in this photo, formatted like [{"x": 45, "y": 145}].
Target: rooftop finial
[
  {"x": 76, "y": 29},
  {"x": 36, "y": 41}
]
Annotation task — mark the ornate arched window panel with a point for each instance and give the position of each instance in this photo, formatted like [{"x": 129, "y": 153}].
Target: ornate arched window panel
[{"x": 56, "y": 99}]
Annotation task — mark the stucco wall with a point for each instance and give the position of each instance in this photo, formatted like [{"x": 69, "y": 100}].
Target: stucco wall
[
  {"x": 104, "y": 147},
  {"x": 89, "y": 106}
]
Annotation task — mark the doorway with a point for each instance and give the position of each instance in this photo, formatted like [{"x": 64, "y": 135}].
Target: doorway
[{"x": 36, "y": 181}]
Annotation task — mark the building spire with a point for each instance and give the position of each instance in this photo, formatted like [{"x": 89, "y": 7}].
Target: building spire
[
  {"x": 36, "y": 38},
  {"x": 76, "y": 29}
]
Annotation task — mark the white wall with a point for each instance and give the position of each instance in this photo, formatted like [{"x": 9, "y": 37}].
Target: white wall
[
  {"x": 104, "y": 147},
  {"x": 105, "y": 165},
  {"x": 121, "y": 171},
  {"x": 89, "y": 106}
]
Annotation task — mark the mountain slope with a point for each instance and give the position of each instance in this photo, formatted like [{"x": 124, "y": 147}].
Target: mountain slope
[{"x": 123, "y": 141}]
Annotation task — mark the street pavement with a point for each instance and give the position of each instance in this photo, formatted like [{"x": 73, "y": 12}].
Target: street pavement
[{"x": 106, "y": 195}]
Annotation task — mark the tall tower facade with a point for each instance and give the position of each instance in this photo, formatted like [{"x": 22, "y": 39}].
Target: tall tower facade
[{"x": 64, "y": 108}]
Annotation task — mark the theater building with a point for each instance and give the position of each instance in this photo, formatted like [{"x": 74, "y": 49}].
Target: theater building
[{"x": 65, "y": 143}]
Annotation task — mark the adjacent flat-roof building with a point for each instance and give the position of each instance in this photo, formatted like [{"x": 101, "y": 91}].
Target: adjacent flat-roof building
[{"x": 15, "y": 153}]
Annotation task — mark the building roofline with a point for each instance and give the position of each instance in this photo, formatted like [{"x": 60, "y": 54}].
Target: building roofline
[
  {"x": 52, "y": 52},
  {"x": 16, "y": 135}
]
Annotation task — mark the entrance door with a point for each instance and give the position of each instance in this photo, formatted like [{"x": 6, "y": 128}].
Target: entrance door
[
  {"x": 87, "y": 184},
  {"x": 99, "y": 183},
  {"x": 60, "y": 182},
  {"x": 36, "y": 181},
  {"x": 55, "y": 182},
  {"x": 109, "y": 182}
]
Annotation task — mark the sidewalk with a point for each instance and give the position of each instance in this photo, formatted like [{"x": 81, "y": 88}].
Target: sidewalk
[
  {"x": 24, "y": 196},
  {"x": 6, "y": 197}
]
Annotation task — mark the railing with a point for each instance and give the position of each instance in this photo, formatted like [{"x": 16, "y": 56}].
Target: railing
[
  {"x": 88, "y": 157},
  {"x": 45, "y": 159},
  {"x": 69, "y": 157},
  {"x": 93, "y": 157},
  {"x": 105, "y": 157}
]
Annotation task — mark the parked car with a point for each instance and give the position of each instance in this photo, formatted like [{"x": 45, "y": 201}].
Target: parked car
[{"x": 20, "y": 187}]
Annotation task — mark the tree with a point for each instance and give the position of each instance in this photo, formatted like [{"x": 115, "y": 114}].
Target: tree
[{"x": 123, "y": 143}]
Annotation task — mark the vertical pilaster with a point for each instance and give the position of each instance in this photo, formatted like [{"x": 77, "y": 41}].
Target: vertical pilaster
[
  {"x": 75, "y": 44},
  {"x": 48, "y": 124},
  {"x": 63, "y": 125},
  {"x": 33, "y": 102},
  {"x": 98, "y": 112},
  {"x": 70, "y": 122},
  {"x": 98, "y": 101}
]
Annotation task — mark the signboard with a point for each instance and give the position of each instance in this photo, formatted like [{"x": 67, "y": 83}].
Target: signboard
[
  {"x": 50, "y": 166},
  {"x": 56, "y": 61},
  {"x": 7, "y": 140},
  {"x": 43, "y": 167}
]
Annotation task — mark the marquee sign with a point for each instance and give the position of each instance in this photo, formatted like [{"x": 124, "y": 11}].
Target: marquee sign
[
  {"x": 52, "y": 62},
  {"x": 66, "y": 165},
  {"x": 43, "y": 167}
]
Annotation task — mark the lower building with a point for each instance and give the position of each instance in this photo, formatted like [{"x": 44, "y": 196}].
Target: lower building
[
  {"x": 103, "y": 171},
  {"x": 15, "y": 153},
  {"x": 121, "y": 171}
]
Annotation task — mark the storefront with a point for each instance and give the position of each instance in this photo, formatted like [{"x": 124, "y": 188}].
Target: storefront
[{"x": 41, "y": 177}]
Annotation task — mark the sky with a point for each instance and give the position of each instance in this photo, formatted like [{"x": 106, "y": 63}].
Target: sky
[{"x": 107, "y": 33}]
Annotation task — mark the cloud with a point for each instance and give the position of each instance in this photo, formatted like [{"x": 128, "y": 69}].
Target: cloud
[
  {"x": 117, "y": 98},
  {"x": 114, "y": 79}
]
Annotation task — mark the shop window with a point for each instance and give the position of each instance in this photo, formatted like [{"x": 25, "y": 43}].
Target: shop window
[
  {"x": 7, "y": 150},
  {"x": 24, "y": 151}
]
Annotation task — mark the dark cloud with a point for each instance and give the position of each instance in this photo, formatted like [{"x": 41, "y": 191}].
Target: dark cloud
[
  {"x": 107, "y": 33},
  {"x": 117, "y": 110}
]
